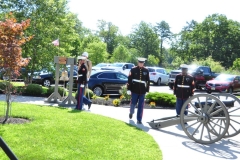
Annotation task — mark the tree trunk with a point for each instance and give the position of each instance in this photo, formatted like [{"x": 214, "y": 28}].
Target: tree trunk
[{"x": 8, "y": 99}]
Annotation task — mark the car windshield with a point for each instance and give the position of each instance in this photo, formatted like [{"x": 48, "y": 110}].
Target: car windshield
[
  {"x": 224, "y": 78},
  {"x": 117, "y": 64}
]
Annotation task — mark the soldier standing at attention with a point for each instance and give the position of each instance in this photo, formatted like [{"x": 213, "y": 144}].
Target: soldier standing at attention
[
  {"x": 183, "y": 88},
  {"x": 138, "y": 85}
]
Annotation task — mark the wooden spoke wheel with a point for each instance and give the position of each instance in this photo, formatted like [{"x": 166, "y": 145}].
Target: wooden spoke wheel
[
  {"x": 207, "y": 119},
  {"x": 233, "y": 106}
]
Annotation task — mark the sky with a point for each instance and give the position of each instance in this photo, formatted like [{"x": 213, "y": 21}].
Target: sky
[{"x": 127, "y": 13}]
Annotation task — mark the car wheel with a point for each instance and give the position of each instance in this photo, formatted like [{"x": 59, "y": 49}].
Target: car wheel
[
  {"x": 230, "y": 90},
  {"x": 159, "y": 82},
  {"x": 98, "y": 91},
  {"x": 46, "y": 83}
]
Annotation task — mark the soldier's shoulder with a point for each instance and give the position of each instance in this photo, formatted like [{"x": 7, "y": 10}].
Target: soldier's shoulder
[
  {"x": 144, "y": 68},
  {"x": 134, "y": 68}
]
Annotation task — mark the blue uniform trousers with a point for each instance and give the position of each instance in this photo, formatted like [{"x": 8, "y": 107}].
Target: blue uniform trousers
[
  {"x": 81, "y": 99},
  {"x": 137, "y": 98},
  {"x": 179, "y": 104}
]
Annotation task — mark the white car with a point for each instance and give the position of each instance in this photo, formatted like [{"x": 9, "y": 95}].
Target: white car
[
  {"x": 99, "y": 66},
  {"x": 121, "y": 67},
  {"x": 158, "y": 75}
]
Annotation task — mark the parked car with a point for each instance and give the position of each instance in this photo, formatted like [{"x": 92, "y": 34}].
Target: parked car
[
  {"x": 100, "y": 65},
  {"x": 158, "y": 75},
  {"x": 43, "y": 77},
  {"x": 121, "y": 67},
  {"x": 224, "y": 83},
  {"x": 201, "y": 75},
  {"x": 105, "y": 82}
]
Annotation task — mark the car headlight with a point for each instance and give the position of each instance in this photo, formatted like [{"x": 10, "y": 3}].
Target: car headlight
[{"x": 225, "y": 85}]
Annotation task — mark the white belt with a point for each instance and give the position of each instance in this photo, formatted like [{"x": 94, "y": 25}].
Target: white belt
[
  {"x": 80, "y": 75},
  {"x": 183, "y": 86},
  {"x": 136, "y": 80}
]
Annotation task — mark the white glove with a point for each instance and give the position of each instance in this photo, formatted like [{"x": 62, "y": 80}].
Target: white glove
[
  {"x": 129, "y": 92},
  {"x": 87, "y": 79}
]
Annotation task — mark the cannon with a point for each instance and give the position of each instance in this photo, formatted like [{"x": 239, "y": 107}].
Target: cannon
[{"x": 210, "y": 117}]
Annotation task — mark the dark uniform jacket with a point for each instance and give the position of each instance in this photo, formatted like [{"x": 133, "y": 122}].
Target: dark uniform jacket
[
  {"x": 82, "y": 74},
  {"x": 184, "y": 86},
  {"x": 141, "y": 75}
]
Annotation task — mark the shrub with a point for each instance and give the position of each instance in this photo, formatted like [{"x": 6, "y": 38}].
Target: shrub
[
  {"x": 51, "y": 90},
  {"x": 162, "y": 99},
  {"x": 34, "y": 90},
  {"x": 88, "y": 92},
  {"x": 123, "y": 92}
]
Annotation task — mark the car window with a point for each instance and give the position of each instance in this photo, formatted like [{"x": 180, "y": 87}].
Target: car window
[
  {"x": 107, "y": 75},
  {"x": 160, "y": 71},
  {"x": 130, "y": 66},
  {"x": 121, "y": 76},
  {"x": 205, "y": 69},
  {"x": 151, "y": 70}
]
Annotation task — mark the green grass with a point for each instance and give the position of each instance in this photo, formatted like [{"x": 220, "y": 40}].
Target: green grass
[{"x": 65, "y": 134}]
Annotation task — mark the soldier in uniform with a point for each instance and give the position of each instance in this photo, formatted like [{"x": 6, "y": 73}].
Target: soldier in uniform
[
  {"x": 183, "y": 88},
  {"x": 138, "y": 85},
  {"x": 82, "y": 80}
]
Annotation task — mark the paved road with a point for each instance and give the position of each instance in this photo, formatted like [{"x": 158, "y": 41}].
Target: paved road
[{"x": 172, "y": 140}]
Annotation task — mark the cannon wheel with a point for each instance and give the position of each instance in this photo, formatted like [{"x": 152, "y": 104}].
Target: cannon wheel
[
  {"x": 234, "y": 114},
  {"x": 201, "y": 118}
]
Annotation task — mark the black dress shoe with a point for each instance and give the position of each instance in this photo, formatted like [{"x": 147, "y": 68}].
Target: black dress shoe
[
  {"x": 139, "y": 122},
  {"x": 130, "y": 115},
  {"x": 89, "y": 105}
]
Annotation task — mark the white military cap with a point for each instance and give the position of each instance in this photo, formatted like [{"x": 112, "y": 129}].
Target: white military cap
[
  {"x": 184, "y": 66},
  {"x": 141, "y": 60},
  {"x": 81, "y": 57}
]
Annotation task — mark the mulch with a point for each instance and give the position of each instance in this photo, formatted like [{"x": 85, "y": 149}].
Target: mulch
[{"x": 13, "y": 120}]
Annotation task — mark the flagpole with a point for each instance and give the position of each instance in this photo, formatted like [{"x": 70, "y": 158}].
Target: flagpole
[{"x": 58, "y": 45}]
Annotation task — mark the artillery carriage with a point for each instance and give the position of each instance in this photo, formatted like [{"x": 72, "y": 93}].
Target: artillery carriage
[{"x": 210, "y": 117}]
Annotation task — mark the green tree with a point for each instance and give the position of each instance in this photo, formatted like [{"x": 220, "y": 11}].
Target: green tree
[
  {"x": 97, "y": 52},
  {"x": 50, "y": 20},
  {"x": 120, "y": 54},
  {"x": 108, "y": 33},
  {"x": 145, "y": 40},
  {"x": 163, "y": 31},
  {"x": 152, "y": 60}
]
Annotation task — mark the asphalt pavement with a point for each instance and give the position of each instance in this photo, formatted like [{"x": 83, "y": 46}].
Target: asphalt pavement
[{"x": 172, "y": 140}]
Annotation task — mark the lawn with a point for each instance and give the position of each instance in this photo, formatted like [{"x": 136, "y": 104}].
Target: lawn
[{"x": 65, "y": 134}]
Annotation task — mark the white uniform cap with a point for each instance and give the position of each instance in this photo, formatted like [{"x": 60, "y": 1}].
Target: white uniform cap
[
  {"x": 141, "y": 60},
  {"x": 81, "y": 57},
  {"x": 85, "y": 54},
  {"x": 184, "y": 66}
]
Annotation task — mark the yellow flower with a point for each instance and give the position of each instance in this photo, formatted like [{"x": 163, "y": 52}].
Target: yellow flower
[
  {"x": 152, "y": 104},
  {"x": 106, "y": 97},
  {"x": 116, "y": 102},
  {"x": 122, "y": 97}
]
